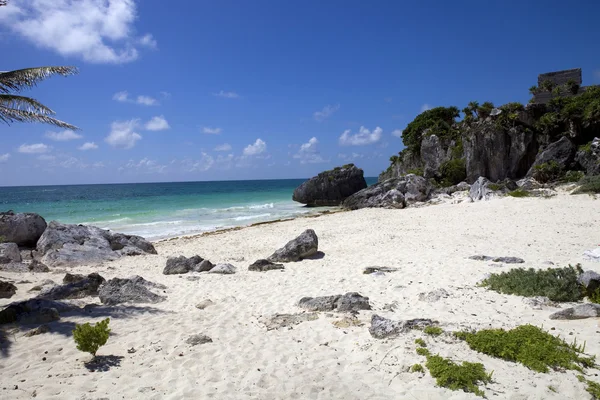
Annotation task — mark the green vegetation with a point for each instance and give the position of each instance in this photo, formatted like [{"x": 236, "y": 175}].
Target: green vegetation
[
  {"x": 495, "y": 186},
  {"x": 530, "y": 346},
  {"x": 485, "y": 109},
  {"x": 2, "y": 239},
  {"x": 547, "y": 172},
  {"x": 416, "y": 171},
  {"x": 466, "y": 376},
  {"x": 433, "y": 330},
  {"x": 533, "y": 90},
  {"x": 453, "y": 172},
  {"x": 558, "y": 284},
  {"x": 518, "y": 193},
  {"x": 90, "y": 338},
  {"x": 348, "y": 166},
  {"x": 417, "y": 368},
  {"x": 592, "y": 387},
  {"x": 420, "y": 342},
  {"x": 573, "y": 176},
  {"x": 552, "y": 389},
  {"x": 547, "y": 85},
  {"x": 586, "y": 147},
  {"x": 572, "y": 86},
  {"x": 438, "y": 121},
  {"x": 594, "y": 296},
  {"x": 422, "y": 351},
  {"x": 589, "y": 184}
]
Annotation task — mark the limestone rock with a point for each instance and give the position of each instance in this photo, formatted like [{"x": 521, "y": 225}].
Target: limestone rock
[
  {"x": 24, "y": 229},
  {"x": 562, "y": 152},
  {"x": 195, "y": 340},
  {"x": 278, "y": 321},
  {"x": 183, "y": 265},
  {"x": 305, "y": 245},
  {"x": 129, "y": 290},
  {"x": 590, "y": 280},
  {"x": 9, "y": 252},
  {"x": 506, "y": 260},
  {"x": 383, "y": 328},
  {"x": 590, "y": 159},
  {"x": 349, "y": 302},
  {"x": 224, "y": 269},
  {"x": 392, "y": 193},
  {"x": 37, "y": 331},
  {"x": 581, "y": 311},
  {"x": 539, "y": 302},
  {"x": 593, "y": 255},
  {"x": 72, "y": 245},
  {"x": 7, "y": 290},
  {"x": 76, "y": 289},
  {"x": 330, "y": 188},
  {"x": 370, "y": 270},
  {"x": 204, "y": 304},
  {"x": 264, "y": 265},
  {"x": 480, "y": 190},
  {"x": 37, "y": 266},
  {"x": 34, "y": 311},
  {"x": 434, "y": 295}
]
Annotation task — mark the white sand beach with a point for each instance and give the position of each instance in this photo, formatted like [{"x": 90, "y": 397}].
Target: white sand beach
[{"x": 430, "y": 247}]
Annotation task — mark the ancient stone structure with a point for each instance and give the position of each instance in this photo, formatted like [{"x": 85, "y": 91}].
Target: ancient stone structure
[{"x": 567, "y": 81}]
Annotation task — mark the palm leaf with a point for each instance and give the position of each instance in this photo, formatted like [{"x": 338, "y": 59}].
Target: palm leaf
[
  {"x": 24, "y": 103},
  {"x": 29, "y": 77},
  {"x": 9, "y": 115}
]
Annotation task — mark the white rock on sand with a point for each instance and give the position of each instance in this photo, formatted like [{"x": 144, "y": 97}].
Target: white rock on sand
[{"x": 430, "y": 247}]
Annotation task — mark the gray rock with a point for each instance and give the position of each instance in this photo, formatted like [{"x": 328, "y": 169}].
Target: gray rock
[
  {"x": 434, "y": 295},
  {"x": 224, "y": 269},
  {"x": 590, "y": 159},
  {"x": 7, "y": 290},
  {"x": 43, "y": 316},
  {"x": 24, "y": 229},
  {"x": 45, "y": 284},
  {"x": 264, "y": 265},
  {"x": 539, "y": 302},
  {"x": 76, "y": 289},
  {"x": 480, "y": 190},
  {"x": 72, "y": 245},
  {"x": 529, "y": 184},
  {"x": 349, "y": 302},
  {"x": 26, "y": 254},
  {"x": 305, "y": 245},
  {"x": 330, "y": 188},
  {"x": 370, "y": 270},
  {"x": 195, "y": 340},
  {"x": 506, "y": 260},
  {"x": 37, "y": 331},
  {"x": 204, "y": 304},
  {"x": 14, "y": 267},
  {"x": 37, "y": 266},
  {"x": 383, "y": 328},
  {"x": 72, "y": 278},
  {"x": 203, "y": 266},
  {"x": 182, "y": 265},
  {"x": 392, "y": 193},
  {"x": 129, "y": 290},
  {"x": 580, "y": 311},
  {"x": 278, "y": 321},
  {"x": 562, "y": 152},
  {"x": 33, "y": 311},
  {"x": 590, "y": 280},
  {"x": 592, "y": 255},
  {"x": 9, "y": 252}
]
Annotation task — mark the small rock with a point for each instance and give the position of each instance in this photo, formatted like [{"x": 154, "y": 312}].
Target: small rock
[
  {"x": 539, "y": 302},
  {"x": 287, "y": 320},
  {"x": 434, "y": 295},
  {"x": 593, "y": 255},
  {"x": 38, "y": 331},
  {"x": 352, "y": 302},
  {"x": 37, "y": 266},
  {"x": 7, "y": 290},
  {"x": 322, "y": 303},
  {"x": 383, "y": 327},
  {"x": 225, "y": 269},
  {"x": 264, "y": 265},
  {"x": 183, "y": 265},
  {"x": 130, "y": 290},
  {"x": 203, "y": 266},
  {"x": 304, "y": 246},
  {"x": 580, "y": 311},
  {"x": 347, "y": 322},
  {"x": 507, "y": 260},
  {"x": 72, "y": 278},
  {"x": 204, "y": 304},
  {"x": 198, "y": 339},
  {"x": 370, "y": 270}
]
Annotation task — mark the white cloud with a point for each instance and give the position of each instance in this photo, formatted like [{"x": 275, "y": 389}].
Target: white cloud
[
  {"x": 397, "y": 133},
  {"x": 97, "y": 31},
  {"x": 350, "y": 157},
  {"x": 122, "y": 134},
  {"x": 46, "y": 157},
  {"x": 227, "y": 95},
  {"x": 363, "y": 137},
  {"x": 63, "y": 136},
  {"x": 148, "y": 41},
  {"x": 203, "y": 164},
  {"x": 145, "y": 165},
  {"x": 98, "y": 164},
  {"x": 211, "y": 131},
  {"x": 425, "y": 107},
  {"x": 123, "y": 97},
  {"x": 4, "y": 157},
  {"x": 258, "y": 147},
  {"x": 223, "y": 147},
  {"x": 326, "y": 112},
  {"x": 37, "y": 148},
  {"x": 309, "y": 153},
  {"x": 158, "y": 123},
  {"x": 88, "y": 146}
]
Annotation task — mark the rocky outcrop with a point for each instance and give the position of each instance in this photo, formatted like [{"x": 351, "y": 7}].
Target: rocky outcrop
[
  {"x": 588, "y": 157},
  {"x": 580, "y": 311},
  {"x": 383, "y": 328},
  {"x": 393, "y": 193},
  {"x": 70, "y": 245},
  {"x": 7, "y": 290},
  {"x": 407, "y": 163},
  {"x": 34, "y": 311},
  {"x": 434, "y": 153},
  {"x": 562, "y": 152},
  {"x": 9, "y": 252},
  {"x": 348, "y": 302},
  {"x": 481, "y": 190},
  {"x": 264, "y": 265},
  {"x": 183, "y": 265},
  {"x": 304, "y": 246},
  {"x": 130, "y": 290},
  {"x": 74, "y": 289},
  {"x": 24, "y": 229},
  {"x": 330, "y": 188}
]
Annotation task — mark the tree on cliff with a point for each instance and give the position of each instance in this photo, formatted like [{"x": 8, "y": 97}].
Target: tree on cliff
[
  {"x": 437, "y": 121},
  {"x": 15, "y": 108}
]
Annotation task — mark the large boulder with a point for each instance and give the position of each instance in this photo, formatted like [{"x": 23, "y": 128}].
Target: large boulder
[
  {"x": 330, "y": 188},
  {"x": 562, "y": 152},
  {"x": 393, "y": 193},
  {"x": 24, "y": 229},
  {"x": 7, "y": 290},
  {"x": 130, "y": 290},
  {"x": 480, "y": 190},
  {"x": 580, "y": 311},
  {"x": 183, "y": 265},
  {"x": 9, "y": 252},
  {"x": 75, "y": 288},
  {"x": 304, "y": 246},
  {"x": 588, "y": 157},
  {"x": 71, "y": 245},
  {"x": 34, "y": 311}
]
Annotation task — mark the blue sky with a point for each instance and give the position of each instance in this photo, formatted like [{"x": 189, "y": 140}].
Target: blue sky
[{"x": 207, "y": 90}]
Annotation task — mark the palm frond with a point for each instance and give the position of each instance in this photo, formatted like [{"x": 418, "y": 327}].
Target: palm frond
[
  {"x": 9, "y": 115},
  {"x": 24, "y": 103},
  {"x": 29, "y": 77}
]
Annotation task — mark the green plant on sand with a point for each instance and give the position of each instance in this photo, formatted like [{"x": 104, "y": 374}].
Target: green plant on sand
[
  {"x": 530, "y": 346},
  {"x": 90, "y": 338},
  {"x": 466, "y": 376},
  {"x": 420, "y": 342},
  {"x": 433, "y": 330},
  {"x": 547, "y": 172},
  {"x": 417, "y": 368},
  {"x": 518, "y": 193},
  {"x": 589, "y": 184},
  {"x": 593, "y": 388}
]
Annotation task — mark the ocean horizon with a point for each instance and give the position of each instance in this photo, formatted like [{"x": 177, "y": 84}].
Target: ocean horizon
[{"x": 161, "y": 210}]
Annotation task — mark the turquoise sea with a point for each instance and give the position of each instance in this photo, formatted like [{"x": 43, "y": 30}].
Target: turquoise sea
[{"x": 160, "y": 210}]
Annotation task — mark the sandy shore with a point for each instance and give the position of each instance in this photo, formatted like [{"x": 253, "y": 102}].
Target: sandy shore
[{"x": 315, "y": 359}]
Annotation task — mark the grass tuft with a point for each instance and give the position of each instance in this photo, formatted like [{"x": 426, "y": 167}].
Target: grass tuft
[
  {"x": 518, "y": 193},
  {"x": 422, "y": 351},
  {"x": 433, "y": 330},
  {"x": 466, "y": 376},
  {"x": 589, "y": 184},
  {"x": 592, "y": 387},
  {"x": 420, "y": 342},
  {"x": 417, "y": 368}
]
